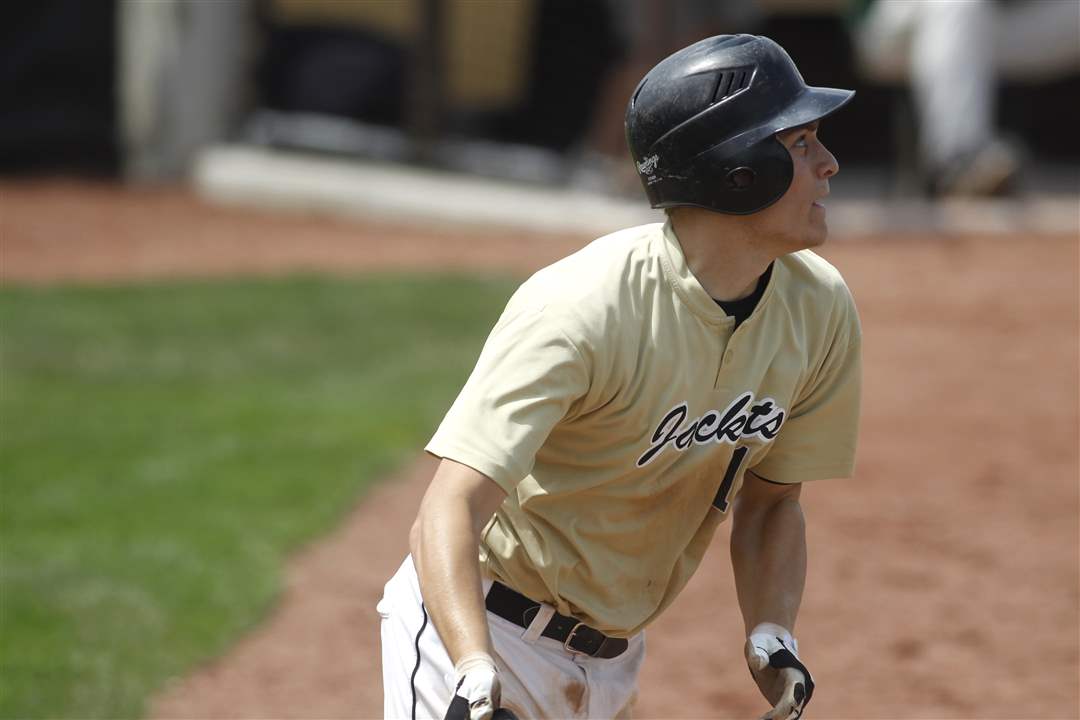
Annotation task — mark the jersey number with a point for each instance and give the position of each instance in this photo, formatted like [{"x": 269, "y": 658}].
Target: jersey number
[{"x": 737, "y": 457}]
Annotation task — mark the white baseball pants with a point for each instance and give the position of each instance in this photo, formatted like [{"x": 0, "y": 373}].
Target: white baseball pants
[{"x": 540, "y": 678}]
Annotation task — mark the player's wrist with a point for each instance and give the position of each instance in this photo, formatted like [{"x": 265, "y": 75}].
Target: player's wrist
[
  {"x": 477, "y": 690},
  {"x": 776, "y": 630},
  {"x": 474, "y": 661}
]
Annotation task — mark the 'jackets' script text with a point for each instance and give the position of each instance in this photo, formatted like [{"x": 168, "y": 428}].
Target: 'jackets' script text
[{"x": 743, "y": 418}]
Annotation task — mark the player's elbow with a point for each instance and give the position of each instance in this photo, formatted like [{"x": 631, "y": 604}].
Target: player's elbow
[
  {"x": 414, "y": 537},
  {"x": 458, "y": 503}
]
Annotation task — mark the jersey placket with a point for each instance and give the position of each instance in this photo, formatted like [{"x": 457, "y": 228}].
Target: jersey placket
[{"x": 725, "y": 336}]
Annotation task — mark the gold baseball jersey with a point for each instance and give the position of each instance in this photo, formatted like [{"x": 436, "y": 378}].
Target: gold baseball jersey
[{"x": 618, "y": 406}]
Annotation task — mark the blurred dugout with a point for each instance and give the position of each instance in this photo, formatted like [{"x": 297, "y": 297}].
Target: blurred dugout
[
  {"x": 514, "y": 89},
  {"x": 320, "y": 63},
  {"x": 528, "y": 81}
]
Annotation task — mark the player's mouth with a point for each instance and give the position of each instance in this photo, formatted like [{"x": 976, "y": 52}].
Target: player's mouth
[{"x": 818, "y": 204}]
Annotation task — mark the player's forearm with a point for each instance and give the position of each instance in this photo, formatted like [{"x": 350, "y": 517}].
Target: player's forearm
[
  {"x": 444, "y": 545},
  {"x": 768, "y": 555}
]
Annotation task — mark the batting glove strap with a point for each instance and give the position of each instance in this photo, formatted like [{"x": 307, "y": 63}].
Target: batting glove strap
[
  {"x": 477, "y": 690},
  {"x": 784, "y": 658}
]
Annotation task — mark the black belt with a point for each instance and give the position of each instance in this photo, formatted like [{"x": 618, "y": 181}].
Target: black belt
[{"x": 573, "y": 634}]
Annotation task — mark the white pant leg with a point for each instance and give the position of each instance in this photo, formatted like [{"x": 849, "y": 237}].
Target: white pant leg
[
  {"x": 945, "y": 50},
  {"x": 613, "y": 683},
  {"x": 540, "y": 679},
  {"x": 953, "y": 77},
  {"x": 414, "y": 685}
]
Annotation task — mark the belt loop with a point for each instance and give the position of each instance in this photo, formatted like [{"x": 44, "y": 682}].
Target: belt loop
[{"x": 539, "y": 623}]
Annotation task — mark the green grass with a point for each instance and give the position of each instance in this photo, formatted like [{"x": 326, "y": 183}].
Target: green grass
[{"x": 162, "y": 447}]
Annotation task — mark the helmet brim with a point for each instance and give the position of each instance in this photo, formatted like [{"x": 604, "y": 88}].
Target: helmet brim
[{"x": 812, "y": 104}]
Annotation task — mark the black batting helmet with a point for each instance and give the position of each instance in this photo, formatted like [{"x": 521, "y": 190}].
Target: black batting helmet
[{"x": 702, "y": 124}]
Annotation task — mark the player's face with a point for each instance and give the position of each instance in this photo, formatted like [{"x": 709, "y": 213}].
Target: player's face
[{"x": 797, "y": 220}]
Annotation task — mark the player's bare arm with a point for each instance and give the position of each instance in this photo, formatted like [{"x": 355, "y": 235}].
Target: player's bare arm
[
  {"x": 768, "y": 555},
  {"x": 443, "y": 540},
  {"x": 768, "y": 552}
]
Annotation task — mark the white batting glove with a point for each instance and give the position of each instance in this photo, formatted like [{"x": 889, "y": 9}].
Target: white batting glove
[
  {"x": 773, "y": 656},
  {"x": 477, "y": 691}
]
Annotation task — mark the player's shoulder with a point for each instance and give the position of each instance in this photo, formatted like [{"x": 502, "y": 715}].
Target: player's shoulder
[
  {"x": 609, "y": 253},
  {"x": 589, "y": 294},
  {"x": 809, "y": 274},
  {"x": 595, "y": 272},
  {"x": 814, "y": 291}
]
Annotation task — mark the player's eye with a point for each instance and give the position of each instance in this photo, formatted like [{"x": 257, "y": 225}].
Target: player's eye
[{"x": 802, "y": 141}]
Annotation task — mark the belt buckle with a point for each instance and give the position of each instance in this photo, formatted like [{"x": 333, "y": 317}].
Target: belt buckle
[{"x": 570, "y": 638}]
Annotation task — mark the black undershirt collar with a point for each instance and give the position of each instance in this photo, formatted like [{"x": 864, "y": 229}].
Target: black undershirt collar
[{"x": 742, "y": 308}]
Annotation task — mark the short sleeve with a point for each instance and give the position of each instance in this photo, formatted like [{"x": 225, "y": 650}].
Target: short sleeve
[
  {"x": 818, "y": 439},
  {"x": 527, "y": 377}
]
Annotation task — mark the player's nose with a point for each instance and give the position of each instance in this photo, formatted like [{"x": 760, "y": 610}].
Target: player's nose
[{"x": 827, "y": 165}]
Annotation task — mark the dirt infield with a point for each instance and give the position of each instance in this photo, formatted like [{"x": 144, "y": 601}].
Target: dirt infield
[{"x": 943, "y": 580}]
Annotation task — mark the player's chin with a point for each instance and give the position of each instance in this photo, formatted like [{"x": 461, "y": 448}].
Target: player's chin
[
  {"x": 816, "y": 233},
  {"x": 811, "y": 238}
]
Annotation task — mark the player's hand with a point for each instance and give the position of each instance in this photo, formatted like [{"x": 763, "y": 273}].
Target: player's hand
[
  {"x": 773, "y": 657},
  {"x": 477, "y": 691}
]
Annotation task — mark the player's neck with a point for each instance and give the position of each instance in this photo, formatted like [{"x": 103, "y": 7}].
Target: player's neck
[{"x": 722, "y": 253}]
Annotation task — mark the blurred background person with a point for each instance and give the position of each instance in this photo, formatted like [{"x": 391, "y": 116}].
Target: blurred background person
[{"x": 954, "y": 54}]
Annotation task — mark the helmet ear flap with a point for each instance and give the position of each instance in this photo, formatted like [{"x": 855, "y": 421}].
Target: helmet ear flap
[{"x": 747, "y": 181}]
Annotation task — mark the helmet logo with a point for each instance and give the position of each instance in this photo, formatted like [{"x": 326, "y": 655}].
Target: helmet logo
[{"x": 648, "y": 165}]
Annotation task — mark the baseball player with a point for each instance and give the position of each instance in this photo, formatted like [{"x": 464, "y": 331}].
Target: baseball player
[{"x": 631, "y": 397}]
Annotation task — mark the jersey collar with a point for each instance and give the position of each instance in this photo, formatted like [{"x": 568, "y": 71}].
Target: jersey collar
[{"x": 689, "y": 289}]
